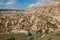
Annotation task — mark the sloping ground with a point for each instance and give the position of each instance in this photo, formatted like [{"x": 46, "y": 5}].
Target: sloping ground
[
  {"x": 44, "y": 17},
  {"x": 18, "y": 36},
  {"x": 51, "y": 36},
  {"x": 52, "y": 9},
  {"x": 49, "y": 10}
]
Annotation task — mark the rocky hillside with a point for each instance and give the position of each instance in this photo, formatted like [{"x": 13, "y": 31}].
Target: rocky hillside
[
  {"x": 50, "y": 12},
  {"x": 45, "y": 17}
]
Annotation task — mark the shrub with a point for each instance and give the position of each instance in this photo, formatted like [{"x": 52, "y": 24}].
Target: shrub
[
  {"x": 11, "y": 38},
  {"x": 58, "y": 34},
  {"x": 49, "y": 39},
  {"x": 51, "y": 24}
]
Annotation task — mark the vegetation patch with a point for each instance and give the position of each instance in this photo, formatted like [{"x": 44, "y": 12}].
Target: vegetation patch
[
  {"x": 58, "y": 33},
  {"x": 51, "y": 36},
  {"x": 51, "y": 24},
  {"x": 17, "y": 36},
  {"x": 11, "y": 38}
]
